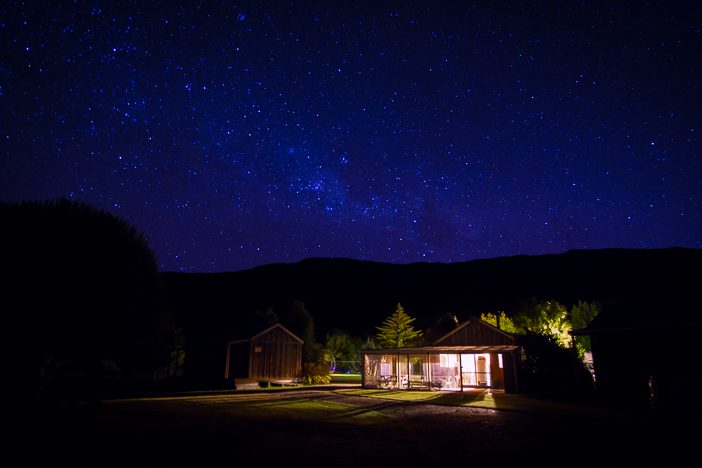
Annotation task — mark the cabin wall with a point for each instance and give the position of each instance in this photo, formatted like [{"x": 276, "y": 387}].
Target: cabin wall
[
  {"x": 476, "y": 334},
  {"x": 511, "y": 382},
  {"x": 275, "y": 355},
  {"x": 394, "y": 370},
  {"x": 496, "y": 372}
]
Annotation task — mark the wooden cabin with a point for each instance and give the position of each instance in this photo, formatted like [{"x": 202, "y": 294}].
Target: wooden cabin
[
  {"x": 474, "y": 355},
  {"x": 273, "y": 355}
]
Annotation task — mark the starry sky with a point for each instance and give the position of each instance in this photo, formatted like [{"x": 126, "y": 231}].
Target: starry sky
[{"x": 235, "y": 134}]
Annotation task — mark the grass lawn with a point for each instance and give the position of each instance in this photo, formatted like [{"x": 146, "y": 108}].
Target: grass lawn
[
  {"x": 352, "y": 427},
  {"x": 345, "y": 378},
  {"x": 478, "y": 398},
  {"x": 292, "y": 408}
]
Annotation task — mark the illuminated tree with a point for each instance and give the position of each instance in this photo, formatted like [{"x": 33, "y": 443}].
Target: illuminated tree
[
  {"x": 501, "y": 321},
  {"x": 397, "y": 330},
  {"x": 340, "y": 346},
  {"x": 548, "y": 318},
  {"x": 581, "y": 315}
]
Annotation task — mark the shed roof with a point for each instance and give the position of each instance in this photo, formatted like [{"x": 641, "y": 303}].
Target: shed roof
[
  {"x": 475, "y": 321},
  {"x": 268, "y": 330},
  {"x": 442, "y": 349},
  {"x": 277, "y": 325}
]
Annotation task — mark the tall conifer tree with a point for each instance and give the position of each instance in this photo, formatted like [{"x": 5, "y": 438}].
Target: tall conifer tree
[{"x": 397, "y": 330}]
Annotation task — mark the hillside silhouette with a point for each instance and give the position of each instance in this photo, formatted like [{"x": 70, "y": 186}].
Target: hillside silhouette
[{"x": 357, "y": 295}]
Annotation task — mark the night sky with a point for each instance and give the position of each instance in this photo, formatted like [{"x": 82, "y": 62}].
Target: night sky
[{"x": 236, "y": 134}]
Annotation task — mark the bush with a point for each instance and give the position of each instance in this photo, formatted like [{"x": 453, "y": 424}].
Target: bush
[
  {"x": 315, "y": 373},
  {"x": 547, "y": 367}
]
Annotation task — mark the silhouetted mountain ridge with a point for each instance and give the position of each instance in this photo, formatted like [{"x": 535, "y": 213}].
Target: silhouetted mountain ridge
[{"x": 356, "y": 295}]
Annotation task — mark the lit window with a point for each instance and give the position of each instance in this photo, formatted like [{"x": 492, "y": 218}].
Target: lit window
[
  {"x": 257, "y": 349},
  {"x": 499, "y": 360},
  {"x": 447, "y": 360}
]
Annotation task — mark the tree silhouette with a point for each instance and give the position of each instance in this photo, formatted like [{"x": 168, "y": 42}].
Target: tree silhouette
[
  {"x": 446, "y": 323},
  {"x": 80, "y": 296},
  {"x": 397, "y": 330},
  {"x": 299, "y": 321}
]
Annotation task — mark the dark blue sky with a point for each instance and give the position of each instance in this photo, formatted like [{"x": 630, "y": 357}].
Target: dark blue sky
[{"x": 239, "y": 134}]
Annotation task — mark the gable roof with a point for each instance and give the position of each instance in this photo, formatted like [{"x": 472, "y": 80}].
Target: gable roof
[
  {"x": 476, "y": 322},
  {"x": 277, "y": 325}
]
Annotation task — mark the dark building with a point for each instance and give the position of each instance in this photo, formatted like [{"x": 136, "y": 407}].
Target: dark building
[
  {"x": 646, "y": 355},
  {"x": 474, "y": 355},
  {"x": 274, "y": 354}
]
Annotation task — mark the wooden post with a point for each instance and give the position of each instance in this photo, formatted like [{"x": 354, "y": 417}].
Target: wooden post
[
  {"x": 427, "y": 366},
  {"x": 460, "y": 370},
  {"x": 251, "y": 361},
  {"x": 516, "y": 357},
  {"x": 226, "y": 366}
]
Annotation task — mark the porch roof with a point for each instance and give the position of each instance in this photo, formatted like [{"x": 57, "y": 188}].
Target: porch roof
[{"x": 442, "y": 349}]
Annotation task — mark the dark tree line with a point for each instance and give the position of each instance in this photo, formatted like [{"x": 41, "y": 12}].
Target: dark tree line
[{"x": 81, "y": 303}]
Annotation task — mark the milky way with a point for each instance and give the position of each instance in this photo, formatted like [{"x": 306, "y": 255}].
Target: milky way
[{"x": 239, "y": 134}]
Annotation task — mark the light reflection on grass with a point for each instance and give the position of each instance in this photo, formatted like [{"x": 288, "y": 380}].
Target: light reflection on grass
[
  {"x": 284, "y": 406},
  {"x": 477, "y": 398},
  {"x": 345, "y": 378},
  {"x": 318, "y": 409},
  {"x": 480, "y": 399},
  {"x": 292, "y": 409},
  {"x": 400, "y": 395}
]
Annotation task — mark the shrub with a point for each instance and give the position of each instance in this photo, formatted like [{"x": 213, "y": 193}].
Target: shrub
[
  {"x": 315, "y": 373},
  {"x": 547, "y": 367}
]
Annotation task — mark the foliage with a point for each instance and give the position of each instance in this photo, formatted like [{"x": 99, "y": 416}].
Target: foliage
[
  {"x": 446, "y": 323},
  {"x": 581, "y": 315},
  {"x": 267, "y": 317},
  {"x": 501, "y": 321},
  {"x": 397, "y": 330},
  {"x": 370, "y": 343},
  {"x": 82, "y": 288},
  {"x": 340, "y": 346},
  {"x": 299, "y": 321},
  {"x": 550, "y": 319},
  {"x": 547, "y": 318},
  {"x": 314, "y": 373},
  {"x": 548, "y": 367}
]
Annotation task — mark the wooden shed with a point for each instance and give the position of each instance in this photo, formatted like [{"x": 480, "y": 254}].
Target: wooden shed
[
  {"x": 273, "y": 355},
  {"x": 474, "y": 355}
]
